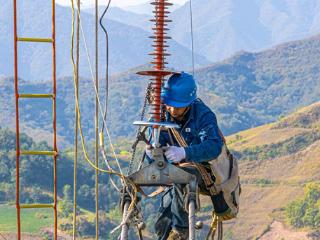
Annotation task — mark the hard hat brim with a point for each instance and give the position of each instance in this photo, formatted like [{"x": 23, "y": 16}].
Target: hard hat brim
[{"x": 176, "y": 104}]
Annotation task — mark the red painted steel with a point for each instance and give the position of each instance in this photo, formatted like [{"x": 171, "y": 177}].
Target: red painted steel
[
  {"x": 54, "y": 106},
  {"x": 158, "y": 73},
  {"x": 17, "y": 119},
  {"x": 18, "y": 150}
]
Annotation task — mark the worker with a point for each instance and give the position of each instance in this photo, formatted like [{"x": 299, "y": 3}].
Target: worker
[{"x": 199, "y": 128}]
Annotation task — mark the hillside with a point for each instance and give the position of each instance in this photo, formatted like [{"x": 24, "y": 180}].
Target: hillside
[
  {"x": 271, "y": 182},
  {"x": 222, "y": 28},
  {"x": 128, "y": 45},
  {"x": 36, "y": 186},
  {"x": 256, "y": 88},
  {"x": 140, "y": 20},
  {"x": 245, "y": 91}
]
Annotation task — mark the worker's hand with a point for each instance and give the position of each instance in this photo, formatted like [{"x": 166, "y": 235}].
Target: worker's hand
[{"x": 174, "y": 154}]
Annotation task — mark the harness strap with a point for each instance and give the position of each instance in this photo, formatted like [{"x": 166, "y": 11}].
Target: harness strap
[
  {"x": 216, "y": 223},
  {"x": 202, "y": 170},
  {"x": 153, "y": 194}
]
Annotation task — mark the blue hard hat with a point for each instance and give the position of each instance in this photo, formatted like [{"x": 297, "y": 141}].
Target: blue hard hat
[{"x": 179, "y": 91}]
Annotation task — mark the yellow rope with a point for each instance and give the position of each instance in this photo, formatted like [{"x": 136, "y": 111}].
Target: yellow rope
[
  {"x": 97, "y": 120},
  {"x": 126, "y": 180},
  {"x": 97, "y": 94},
  {"x": 74, "y": 230}
]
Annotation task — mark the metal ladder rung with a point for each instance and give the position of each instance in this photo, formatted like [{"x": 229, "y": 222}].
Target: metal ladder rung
[
  {"x": 36, "y": 95},
  {"x": 49, "y": 153},
  {"x": 28, "y": 206},
  {"x": 27, "y": 39}
]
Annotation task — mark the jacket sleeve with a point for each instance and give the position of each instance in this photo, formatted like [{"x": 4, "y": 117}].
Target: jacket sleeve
[{"x": 210, "y": 145}]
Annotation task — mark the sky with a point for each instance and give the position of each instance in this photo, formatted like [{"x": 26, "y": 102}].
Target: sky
[{"x": 119, "y": 3}]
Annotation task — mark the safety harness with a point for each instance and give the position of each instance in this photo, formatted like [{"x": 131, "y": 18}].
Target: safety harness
[{"x": 211, "y": 186}]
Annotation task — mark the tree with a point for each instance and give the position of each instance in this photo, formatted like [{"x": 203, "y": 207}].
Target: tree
[
  {"x": 65, "y": 207},
  {"x": 305, "y": 212}
]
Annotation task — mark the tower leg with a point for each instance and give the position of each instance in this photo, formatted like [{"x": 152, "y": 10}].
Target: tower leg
[
  {"x": 192, "y": 219},
  {"x": 125, "y": 227}
]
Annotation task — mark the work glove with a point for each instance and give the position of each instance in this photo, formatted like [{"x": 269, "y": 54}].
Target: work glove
[{"x": 174, "y": 154}]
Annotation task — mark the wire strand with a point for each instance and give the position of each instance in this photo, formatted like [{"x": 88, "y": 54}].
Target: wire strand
[
  {"x": 126, "y": 181},
  {"x": 96, "y": 92},
  {"x": 192, "y": 39},
  {"x": 107, "y": 63},
  {"x": 96, "y": 118}
]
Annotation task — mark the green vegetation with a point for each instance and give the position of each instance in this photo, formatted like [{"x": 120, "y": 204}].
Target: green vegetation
[
  {"x": 37, "y": 174},
  {"x": 289, "y": 146},
  {"x": 33, "y": 219},
  {"x": 262, "y": 182},
  {"x": 247, "y": 90},
  {"x": 305, "y": 212},
  {"x": 36, "y": 187},
  {"x": 307, "y": 117},
  {"x": 65, "y": 206}
]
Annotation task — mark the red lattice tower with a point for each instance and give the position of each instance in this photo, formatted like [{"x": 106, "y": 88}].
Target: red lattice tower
[{"x": 159, "y": 56}]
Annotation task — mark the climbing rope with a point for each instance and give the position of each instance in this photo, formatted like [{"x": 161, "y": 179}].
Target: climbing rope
[
  {"x": 126, "y": 181},
  {"x": 97, "y": 94},
  {"x": 96, "y": 118},
  {"x": 104, "y": 155},
  {"x": 75, "y": 165},
  {"x": 96, "y": 91},
  {"x": 103, "y": 152},
  {"x": 129, "y": 185}
]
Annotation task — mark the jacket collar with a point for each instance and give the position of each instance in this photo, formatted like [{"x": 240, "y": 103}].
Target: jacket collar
[{"x": 191, "y": 114}]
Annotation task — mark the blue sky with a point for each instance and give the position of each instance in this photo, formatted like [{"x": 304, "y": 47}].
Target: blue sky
[{"x": 120, "y": 3}]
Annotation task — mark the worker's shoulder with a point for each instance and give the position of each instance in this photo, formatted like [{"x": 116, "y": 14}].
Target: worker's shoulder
[{"x": 200, "y": 108}]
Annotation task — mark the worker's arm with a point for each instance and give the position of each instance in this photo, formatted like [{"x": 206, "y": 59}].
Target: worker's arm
[{"x": 210, "y": 141}]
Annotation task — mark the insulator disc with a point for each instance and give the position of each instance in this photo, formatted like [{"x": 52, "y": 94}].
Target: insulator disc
[
  {"x": 165, "y": 3},
  {"x": 156, "y": 63},
  {"x": 161, "y": 20},
  {"x": 158, "y": 45},
  {"x": 160, "y": 11},
  {"x": 160, "y": 37},
  {"x": 159, "y": 28}
]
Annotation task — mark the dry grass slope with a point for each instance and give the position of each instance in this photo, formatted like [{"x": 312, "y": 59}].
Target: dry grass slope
[{"x": 270, "y": 184}]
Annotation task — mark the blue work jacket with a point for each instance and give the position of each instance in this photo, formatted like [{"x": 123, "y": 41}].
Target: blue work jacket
[{"x": 200, "y": 131}]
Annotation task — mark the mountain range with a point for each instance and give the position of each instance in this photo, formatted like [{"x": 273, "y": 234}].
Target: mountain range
[
  {"x": 267, "y": 100},
  {"x": 245, "y": 91},
  {"x": 129, "y": 46},
  {"x": 222, "y": 28},
  {"x": 146, "y": 8}
]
